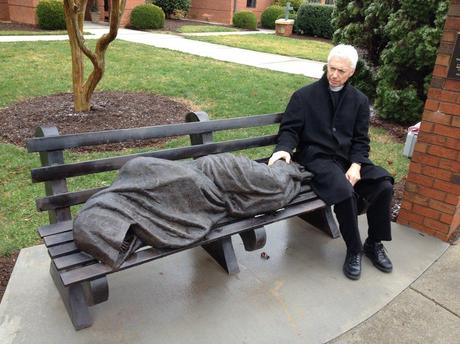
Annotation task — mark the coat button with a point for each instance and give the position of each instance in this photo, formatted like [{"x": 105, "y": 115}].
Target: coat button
[{"x": 334, "y": 130}]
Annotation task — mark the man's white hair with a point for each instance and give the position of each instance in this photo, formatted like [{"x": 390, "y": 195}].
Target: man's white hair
[{"x": 344, "y": 51}]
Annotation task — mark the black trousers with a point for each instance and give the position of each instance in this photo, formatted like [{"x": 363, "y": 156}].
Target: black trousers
[{"x": 376, "y": 196}]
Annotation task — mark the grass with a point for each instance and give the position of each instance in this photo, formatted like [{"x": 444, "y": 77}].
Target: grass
[
  {"x": 310, "y": 49},
  {"x": 33, "y": 33},
  {"x": 206, "y": 28},
  {"x": 222, "y": 89}
]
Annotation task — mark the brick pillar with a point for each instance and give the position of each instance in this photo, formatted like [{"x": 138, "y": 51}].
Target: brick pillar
[{"x": 431, "y": 201}]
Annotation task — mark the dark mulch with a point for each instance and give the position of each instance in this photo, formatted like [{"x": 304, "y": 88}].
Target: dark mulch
[
  {"x": 6, "y": 267},
  {"x": 110, "y": 110}
]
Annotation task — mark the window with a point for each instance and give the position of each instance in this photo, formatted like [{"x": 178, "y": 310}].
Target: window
[{"x": 251, "y": 3}]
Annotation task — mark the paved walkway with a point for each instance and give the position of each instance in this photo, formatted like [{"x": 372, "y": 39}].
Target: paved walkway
[
  {"x": 273, "y": 62},
  {"x": 297, "y": 296}
]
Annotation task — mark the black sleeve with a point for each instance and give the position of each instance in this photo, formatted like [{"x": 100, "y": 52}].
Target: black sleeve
[
  {"x": 360, "y": 142},
  {"x": 291, "y": 125}
]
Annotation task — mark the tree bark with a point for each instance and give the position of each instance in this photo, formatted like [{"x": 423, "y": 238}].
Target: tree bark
[{"x": 74, "y": 11}]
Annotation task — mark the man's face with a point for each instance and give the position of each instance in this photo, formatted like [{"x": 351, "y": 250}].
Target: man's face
[{"x": 339, "y": 71}]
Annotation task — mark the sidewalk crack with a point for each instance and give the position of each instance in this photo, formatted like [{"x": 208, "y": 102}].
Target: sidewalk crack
[{"x": 434, "y": 301}]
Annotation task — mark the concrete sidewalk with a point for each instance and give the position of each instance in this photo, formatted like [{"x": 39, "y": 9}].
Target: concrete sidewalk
[
  {"x": 273, "y": 62},
  {"x": 298, "y": 295}
]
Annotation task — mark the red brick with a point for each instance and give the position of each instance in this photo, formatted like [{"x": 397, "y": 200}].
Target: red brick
[
  {"x": 450, "y": 165},
  {"x": 443, "y": 60},
  {"x": 450, "y": 108},
  {"x": 439, "y": 140},
  {"x": 410, "y": 216},
  {"x": 448, "y": 96},
  {"x": 421, "y": 147},
  {"x": 425, "y": 159},
  {"x": 452, "y": 23},
  {"x": 422, "y": 228},
  {"x": 452, "y": 85},
  {"x": 442, "y": 152},
  {"x": 437, "y": 173},
  {"x": 426, "y": 127},
  {"x": 434, "y": 93},
  {"x": 436, "y": 225},
  {"x": 410, "y": 187},
  {"x": 447, "y": 187},
  {"x": 417, "y": 199},
  {"x": 456, "y": 121},
  {"x": 446, "y": 48},
  {"x": 427, "y": 212},
  {"x": 441, "y": 206},
  {"x": 420, "y": 179},
  {"x": 447, "y": 131},
  {"x": 437, "y": 82},
  {"x": 440, "y": 71},
  {"x": 431, "y": 105},
  {"x": 441, "y": 235},
  {"x": 454, "y": 10},
  {"x": 445, "y": 218},
  {"x": 455, "y": 224},
  {"x": 406, "y": 205},
  {"x": 436, "y": 117},
  {"x": 452, "y": 199},
  {"x": 449, "y": 36},
  {"x": 432, "y": 193}
]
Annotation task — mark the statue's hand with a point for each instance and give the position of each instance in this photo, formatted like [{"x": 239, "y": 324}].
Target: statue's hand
[{"x": 280, "y": 155}]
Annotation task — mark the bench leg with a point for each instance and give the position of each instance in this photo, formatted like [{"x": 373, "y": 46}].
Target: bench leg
[
  {"x": 254, "y": 239},
  {"x": 78, "y": 297},
  {"x": 323, "y": 220},
  {"x": 223, "y": 253}
]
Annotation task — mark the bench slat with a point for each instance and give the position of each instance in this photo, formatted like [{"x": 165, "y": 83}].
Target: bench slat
[
  {"x": 46, "y": 173},
  {"x": 63, "y": 249},
  {"x": 121, "y": 135},
  {"x": 55, "y": 228},
  {"x": 98, "y": 270},
  {"x": 71, "y": 260},
  {"x": 56, "y": 239}
]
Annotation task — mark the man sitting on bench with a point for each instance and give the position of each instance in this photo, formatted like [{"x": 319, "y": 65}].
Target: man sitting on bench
[{"x": 327, "y": 124}]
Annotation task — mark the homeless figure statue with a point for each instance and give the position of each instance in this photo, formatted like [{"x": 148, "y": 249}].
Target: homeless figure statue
[
  {"x": 327, "y": 124},
  {"x": 170, "y": 204}
]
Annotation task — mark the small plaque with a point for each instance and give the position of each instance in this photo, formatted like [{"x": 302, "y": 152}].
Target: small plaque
[{"x": 454, "y": 68}]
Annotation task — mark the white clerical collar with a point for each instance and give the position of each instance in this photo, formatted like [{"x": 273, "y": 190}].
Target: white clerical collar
[{"x": 336, "y": 88}]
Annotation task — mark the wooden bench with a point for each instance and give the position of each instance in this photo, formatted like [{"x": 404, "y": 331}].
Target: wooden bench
[{"x": 80, "y": 278}]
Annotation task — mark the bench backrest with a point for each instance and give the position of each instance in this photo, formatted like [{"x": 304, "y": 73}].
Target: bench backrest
[{"x": 54, "y": 171}]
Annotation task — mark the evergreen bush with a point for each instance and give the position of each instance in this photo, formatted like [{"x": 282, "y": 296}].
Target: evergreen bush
[
  {"x": 270, "y": 15},
  {"x": 399, "y": 40},
  {"x": 170, "y": 7},
  {"x": 148, "y": 16},
  {"x": 245, "y": 20},
  {"x": 50, "y": 15},
  {"x": 315, "y": 20}
]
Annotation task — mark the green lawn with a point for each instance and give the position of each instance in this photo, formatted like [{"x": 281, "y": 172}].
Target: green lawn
[
  {"x": 222, "y": 89},
  {"x": 206, "y": 28},
  {"x": 32, "y": 33},
  {"x": 310, "y": 49}
]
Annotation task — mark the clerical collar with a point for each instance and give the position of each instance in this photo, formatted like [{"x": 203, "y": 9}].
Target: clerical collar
[{"x": 336, "y": 89}]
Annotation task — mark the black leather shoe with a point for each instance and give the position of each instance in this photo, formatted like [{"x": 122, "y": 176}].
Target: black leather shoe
[
  {"x": 376, "y": 253},
  {"x": 352, "y": 265}
]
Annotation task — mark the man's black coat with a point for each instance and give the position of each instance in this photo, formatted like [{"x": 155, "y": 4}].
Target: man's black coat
[{"x": 327, "y": 141}]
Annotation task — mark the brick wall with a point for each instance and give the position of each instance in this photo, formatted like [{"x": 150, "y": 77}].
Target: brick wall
[
  {"x": 261, "y": 5},
  {"x": 4, "y": 11},
  {"x": 218, "y": 11},
  {"x": 23, "y": 11},
  {"x": 431, "y": 201}
]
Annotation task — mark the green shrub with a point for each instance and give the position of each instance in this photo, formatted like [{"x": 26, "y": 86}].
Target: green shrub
[
  {"x": 269, "y": 16},
  {"x": 315, "y": 20},
  {"x": 245, "y": 20},
  {"x": 294, "y": 3},
  {"x": 147, "y": 16},
  {"x": 364, "y": 80},
  {"x": 50, "y": 15},
  {"x": 170, "y": 7}
]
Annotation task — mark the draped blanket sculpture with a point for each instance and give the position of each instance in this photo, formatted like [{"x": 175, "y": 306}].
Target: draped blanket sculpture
[{"x": 172, "y": 204}]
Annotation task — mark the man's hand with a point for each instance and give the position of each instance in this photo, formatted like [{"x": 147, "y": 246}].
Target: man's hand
[
  {"x": 354, "y": 173},
  {"x": 280, "y": 155}
]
